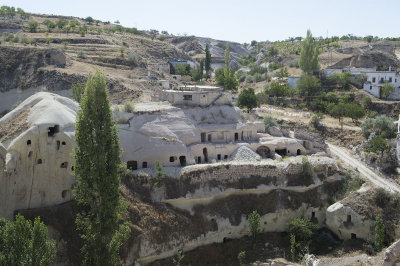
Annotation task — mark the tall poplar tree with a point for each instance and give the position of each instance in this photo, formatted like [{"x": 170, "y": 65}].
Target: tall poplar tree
[
  {"x": 97, "y": 164},
  {"x": 207, "y": 63},
  {"x": 308, "y": 60}
]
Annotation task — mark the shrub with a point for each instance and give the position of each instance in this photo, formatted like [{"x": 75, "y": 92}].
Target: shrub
[
  {"x": 354, "y": 111},
  {"x": 122, "y": 51},
  {"x": 81, "y": 54},
  {"x": 382, "y": 197},
  {"x": 379, "y": 233},
  {"x": 128, "y": 107},
  {"x": 247, "y": 99},
  {"x": 279, "y": 90},
  {"x": 382, "y": 125},
  {"x": 307, "y": 169},
  {"x": 32, "y": 26},
  {"x": 269, "y": 121},
  {"x": 355, "y": 183},
  {"x": 308, "y": 85},
  {"x": 273, "y": 66},
  {"x": 378, "y": 144},
  {"x": 25, "y": 243},
  {"x": 366, "y": 101},
  {"x": 386, "y": 90},
  {"x": 315, "y": 120},
  {"x": 301, "y": 231},
  {"x": 241, "y": 257},
  {"x": 48, "y": 41},
  {"x": 78, "y": 90},
  {"x": 254, "y": 221},
  {"x": 132, "y": 59}
]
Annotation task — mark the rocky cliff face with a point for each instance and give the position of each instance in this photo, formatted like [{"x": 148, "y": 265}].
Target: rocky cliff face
[{"x": 210, "y": 204}]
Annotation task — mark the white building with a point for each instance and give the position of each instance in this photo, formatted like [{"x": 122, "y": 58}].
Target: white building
[
  {"x": 377, "y": 79},
  {"x": 194, "y": 95}
]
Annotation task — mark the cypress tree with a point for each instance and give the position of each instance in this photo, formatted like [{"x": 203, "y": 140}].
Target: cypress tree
[
  {"x": 207, "y": 63},
  {"x": 308, "y": 60},
  {"x": 97, "y": 165}
]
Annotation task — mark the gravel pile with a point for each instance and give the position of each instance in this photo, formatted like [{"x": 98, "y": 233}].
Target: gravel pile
[{"x": 245, "y": 154}]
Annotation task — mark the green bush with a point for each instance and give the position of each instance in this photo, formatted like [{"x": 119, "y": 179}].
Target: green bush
[
  {"x": 269, "y": 121},
  {"x": 273, "y": 66},
  {"x": 25, "y": 243},
  {"x": 279, "y": 89},
  {"x": 81, "y": 54},
  {"x": 378, "y": 144},
  {"x": 301, "y": 231},
  {"x": 386, "y": 90},
  {"x": 379, "y": 233},
  {"x": 128, "y": 107},
  {"x": 247, "y": 99},
  {"x": 241, "y": 257},
  {"x": 307, "y": 169},
  {"x": 132, "y": 59},
  {"x": 315, "y": 120},
  {"x": 254, "y": 221},
  {"x": 382, "y": 125}
]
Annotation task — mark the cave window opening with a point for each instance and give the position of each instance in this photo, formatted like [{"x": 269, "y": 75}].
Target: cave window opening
[
  {"x": 64, "y": 165},
  {"x": 199, "y": 159},
  {"x": 30, "y": 154},
  {"x": 349, "y": 218},
  {"x": 312, "y": 215},
  {"x": 144, "y": 165},
  {"x": 182, "y": 160},
  {"x": 225, "y": 157},
  {"x": 281, "y": 152},
  {"x": 205, "y": 154},
  {"x": 58, "y": 144},
  {"x": 39, "y": 161},
  {"x": 236, "y": 136},
  {"x": 132, "y": 165},
  {"x": 171, "y": 159},
  {"x": 53, "y": 130},
  {"x": 353, "y": 236},
  {"x": 63, "y": 143},
  {"x": 218, "y": 157},
  {"x": 298, "y": 152},
  {"x": 28, "y": 142},
  {"x": 65, "y": 193}
]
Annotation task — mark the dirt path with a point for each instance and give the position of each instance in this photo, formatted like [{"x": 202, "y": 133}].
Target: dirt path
[{"x": 364, "y": 170}]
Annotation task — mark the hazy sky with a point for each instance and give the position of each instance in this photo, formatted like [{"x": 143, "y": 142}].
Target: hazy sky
[{"x": 234, "y": 20}]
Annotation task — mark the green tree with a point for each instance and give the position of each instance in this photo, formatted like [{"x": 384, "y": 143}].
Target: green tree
[
  {"x": 201, "y": 68},
  {"x": 97, "y": 167},
  {"x": 379, "y": 233},
  {"x": 386, "y": 90},
  {"x": 254, "y": 221},
  {"x": 308, "y": 85},
  {"x": 61, "y": 23},
  {"x": 78, "y": 89},
  {"x": 32, "y": 26},
  {"x": 49, "y": 24},
  {"x": 301, "y": 231},
  {"x": 228, "y": 81},
  {"x": 354, "y": 111},
  {"x": 282, "y": 73},
  {"x": 308, "y": 60},
  {"x": 378, "y": 144},
  {"x": 24, "y": 243},
  {"x": 207, "y": 62},
  {"x": 160, "y": 174},
  {"x": 248, "y": 99}
]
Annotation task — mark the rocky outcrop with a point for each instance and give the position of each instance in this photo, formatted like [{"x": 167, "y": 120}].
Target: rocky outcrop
[{"x": 392, "y": 254}]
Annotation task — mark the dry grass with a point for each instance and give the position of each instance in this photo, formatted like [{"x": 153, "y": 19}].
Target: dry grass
[{"x": 15, "y": 125}]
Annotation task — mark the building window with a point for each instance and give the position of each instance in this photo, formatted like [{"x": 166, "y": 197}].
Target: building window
[
  {"x": 373, "y": 79},
  {"x": 370, "y": 87},
  {"x": 218, "y": 157},
  {"x": 390, "y": 79},
  {"x": 144, "y": 165},
  {"x": 225, "y": 157},
  {"x": 171, "y": 159},
  {"x": 209, "y": 137},
  {"x": 187, "y": 97}
]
